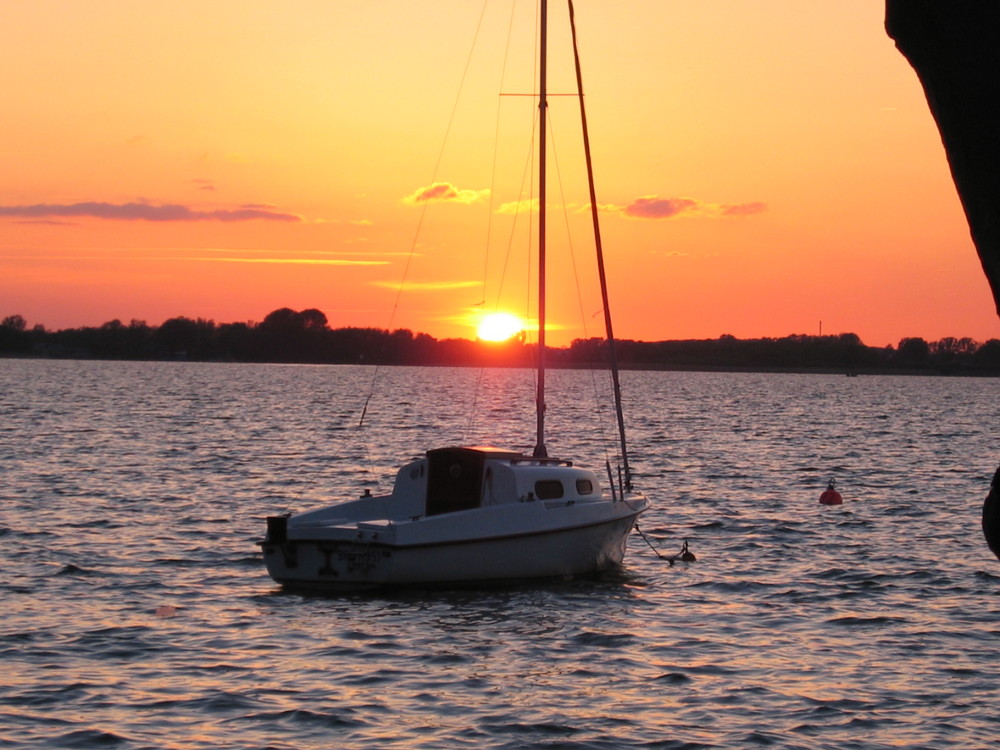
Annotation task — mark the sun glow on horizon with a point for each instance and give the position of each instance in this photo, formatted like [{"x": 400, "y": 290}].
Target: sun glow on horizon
[{"x": 500, "y": 326}]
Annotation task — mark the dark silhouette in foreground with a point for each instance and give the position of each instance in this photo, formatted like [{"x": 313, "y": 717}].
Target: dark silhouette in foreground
[
  {"x": 954, "y": 47},
  {"x": 991, "y": 515}
]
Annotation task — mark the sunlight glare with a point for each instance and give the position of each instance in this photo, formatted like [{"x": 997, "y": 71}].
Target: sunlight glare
[{"x": 499, "y": 327}]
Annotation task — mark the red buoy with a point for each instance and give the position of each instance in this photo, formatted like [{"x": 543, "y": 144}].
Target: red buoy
[{"x": 830, "y": 496}]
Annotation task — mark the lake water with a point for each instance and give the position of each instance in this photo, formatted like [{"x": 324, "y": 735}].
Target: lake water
[{"x": 137, "y": 612}]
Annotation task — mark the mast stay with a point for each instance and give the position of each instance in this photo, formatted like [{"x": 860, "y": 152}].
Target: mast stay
[
  {"x": 540, "y": 450},
  {"x": 609, "y": 331}
]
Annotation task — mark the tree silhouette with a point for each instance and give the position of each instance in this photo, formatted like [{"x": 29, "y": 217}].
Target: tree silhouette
[
  {"x": 184, "y": 338},
  {"x": 293, "y": 336},
  {"x": 13, "y": 337},
  {"x": 287, "y": 335}
]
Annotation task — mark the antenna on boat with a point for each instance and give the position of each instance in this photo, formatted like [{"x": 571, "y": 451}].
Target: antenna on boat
[
  {"x": 612, "y": 352},
  {"x": 540, "y": 451}
]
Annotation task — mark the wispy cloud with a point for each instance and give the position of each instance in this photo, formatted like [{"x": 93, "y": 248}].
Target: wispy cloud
[
  {"x": 651, "y": 207},
  {"x": 200, "y": 259},
  {"x": 744, "y": 209},
  {"x": 521, "y": 206},
  {"x": 147, "y": 212},
  {"x": 654, "y": 207},
  {"x": 320, "y": 254},
  {"x": 290, "y": 261},
  {"x": 426, "y": 286},
  {"x": 206, "y": 255},
  {"x": 46, "y": 222},
  {"x": 444, "y": 192}
]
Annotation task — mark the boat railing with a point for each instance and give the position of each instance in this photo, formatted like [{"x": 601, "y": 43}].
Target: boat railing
[{"x": 541, "y": 461}]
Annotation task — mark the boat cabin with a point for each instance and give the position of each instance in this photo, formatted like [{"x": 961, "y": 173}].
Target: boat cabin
[{"x": 463, "y": 478}]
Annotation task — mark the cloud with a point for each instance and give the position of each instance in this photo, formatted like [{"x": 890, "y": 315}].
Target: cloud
[
  {"x": 147, "y": 212},
  {"x": 245, "y": 255},
  {"x": 426, "y": 286},
  {"x": 444, "y": 192},
  {"x": 654, "y": 207},
  {"x": 210, "y": 255},
  {"x": 744, "y": 209},
  {"x": 290, "y": 261},
  {"x": 47, "y": 222},
  {"x": 651, "y": 207},
  {"x": 517, "y": 207}
]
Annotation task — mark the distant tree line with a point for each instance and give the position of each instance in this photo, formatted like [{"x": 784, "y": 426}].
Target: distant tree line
[{"x": 305, "y": 336}]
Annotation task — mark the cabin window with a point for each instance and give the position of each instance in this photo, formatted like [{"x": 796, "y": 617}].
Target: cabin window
[
  {"x": 548, "y": 489},
  {"x": 584, "y": 487}
]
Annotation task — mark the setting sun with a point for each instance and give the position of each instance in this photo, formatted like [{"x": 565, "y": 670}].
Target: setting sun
[{"x": 499, "y": 327}]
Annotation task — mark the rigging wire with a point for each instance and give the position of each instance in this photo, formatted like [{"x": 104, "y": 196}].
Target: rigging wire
[
  {"x": 496, "y": 149},
  {"x": 522, "y": 206},
  {"x": 606, "y": 442},
  {"x": 598, "y": 403},
  {"x": 423, "y": 211},
  {"x": 477, "y": 389},
  {"x": 612, "y": 355}
]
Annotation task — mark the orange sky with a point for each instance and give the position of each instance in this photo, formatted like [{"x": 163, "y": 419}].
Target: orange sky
[{"x": 762, "y": 168}]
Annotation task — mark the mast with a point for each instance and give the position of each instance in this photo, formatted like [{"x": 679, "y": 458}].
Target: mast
[
  {"x": 540, "y": 451},
  {"x": 612, "y": 353}
]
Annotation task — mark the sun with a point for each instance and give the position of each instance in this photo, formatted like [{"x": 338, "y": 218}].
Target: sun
[{"x": 499, "y": 327}]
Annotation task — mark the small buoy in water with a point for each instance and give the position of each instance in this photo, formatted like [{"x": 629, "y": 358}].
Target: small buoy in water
[{"x": 830, "y": 496}]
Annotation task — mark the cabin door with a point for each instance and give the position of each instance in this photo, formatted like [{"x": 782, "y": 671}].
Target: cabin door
[{"x": 454, "y": 480}]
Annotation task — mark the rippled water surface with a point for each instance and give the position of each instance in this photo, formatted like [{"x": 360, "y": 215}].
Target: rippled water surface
[{"x": 137, "y": 613}]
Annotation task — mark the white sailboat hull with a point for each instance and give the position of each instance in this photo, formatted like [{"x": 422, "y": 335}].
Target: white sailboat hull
[
  {"x": 344, "y": 564},
  {"x": 459, "y": 516}
]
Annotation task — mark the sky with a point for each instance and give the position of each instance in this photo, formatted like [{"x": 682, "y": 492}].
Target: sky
[{"x": 763, "y": 169}]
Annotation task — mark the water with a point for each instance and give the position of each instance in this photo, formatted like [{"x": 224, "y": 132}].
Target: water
[{"x": 137, "y": 613}]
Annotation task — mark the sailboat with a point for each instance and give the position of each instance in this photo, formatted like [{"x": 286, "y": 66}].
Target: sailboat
[{"x": 467, "y": 515}]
